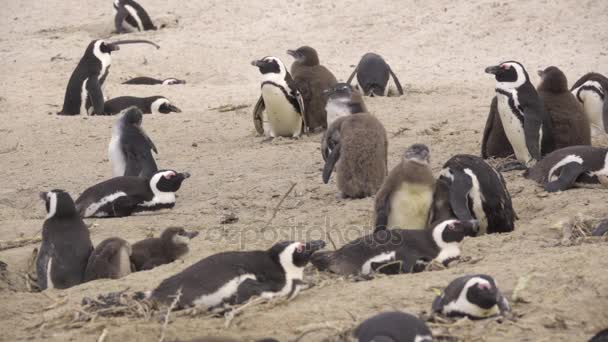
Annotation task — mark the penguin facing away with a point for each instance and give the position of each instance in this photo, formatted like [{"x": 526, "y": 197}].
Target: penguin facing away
[
  {"x": 170, "y": 246},
  {"x": 66, "y": 243},
  {"x": 591, "y": 90},
  {"x": 473, "y": 296},
  {"x": 125, "y": 195},
  {"x": 131, "y": 16},
  {"x": 83, "y": 94},
  {"x": 342, "y": 100},
  {"x": 235, "y": 277},
  {"x": 109, "y": 260},
  {"x": 130, "y": 149},
  {"x": 144, "y": 80},
  {"x": 148, "y": 105},
  {"x": 373, "y": 75},
  {"x": 393, "y": 326}
]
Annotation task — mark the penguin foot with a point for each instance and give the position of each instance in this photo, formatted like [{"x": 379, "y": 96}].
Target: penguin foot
[
  {"x": 267, "y": 140},
  {"x": 514, "y": 165}
]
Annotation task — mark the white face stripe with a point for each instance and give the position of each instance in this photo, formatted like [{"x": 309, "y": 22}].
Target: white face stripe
[
  {"x": 292, "y": 272},
  {"x": 105, "y": 58},
  {"x": 223, "y": 293},
  {"x": 159, "y": 196},
  {"x": 477, "y": 197},
  {"x": 367, "y": 266},
  {"x": 52, "y": 197},
  {"x": 463, "y": 305},
  {"x": 604, "y": 170},
  {"x": 92, "y": 209},
  {"x": 278, "y": 78},
  {"x": 521, "y": 77},
  {"x": 572, "y": 158},
  {"x": 446, "y": 250},
  {"x": 155, "y": 106}
]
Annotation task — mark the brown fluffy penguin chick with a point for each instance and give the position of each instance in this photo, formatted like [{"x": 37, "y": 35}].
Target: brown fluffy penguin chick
[
  {"x": 405, "y": 198},
  {"x": 152, "y": 252},
  {"x": 110, "y": 259},
  {"x": 311, "y": 79},
  {"x": 570, "y": 124}
]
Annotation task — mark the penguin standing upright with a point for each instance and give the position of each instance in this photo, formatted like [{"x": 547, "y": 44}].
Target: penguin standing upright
[
  {"x": 592, "y": 91},
  {"x": 66, "y": 243},
  {"x": 148, "y": 105},
  {"x": 83, "y": 94},
  {"x": 130, "y": 149},
  {"x": 393, "y": 326},
  {"x": 145, "y": 80},
  {"x": 171, "y": 245},
  {"x": 373, "y": 75},
  {"x": 342, "y": 100},
  {"x": 131, "y": 16},
  {"x": 109, "y": 260}
]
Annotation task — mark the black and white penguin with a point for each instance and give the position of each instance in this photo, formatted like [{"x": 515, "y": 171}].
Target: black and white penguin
[
  {"x": 571, "y": 166},
  {"x": 373, "y": 75},
  {"x": 280, "y": 100},
  {"x": 109, "y": 260},
  {"x": 170, "y": 246},
  {"x": 408, "y": 249},
  {"x": 478, "y": 191},
  {"x": 342, "y": 100},
  {"x": 125, "y": 195},
  {"x": 393, "y": 326},
  {"x": 131, "y": 16},
  {"x": 148, "y": 105},
  {"x": 526, "y": 123},
  {"x": 83, "y": 94},
  {"x": 591, "y": 90},
  {"x": 130, "y": 149},
  {"x": 473, "y": 296},
  {"x": 235, "y": 277},
  {"x": 66, "y": 243},
  {"x": 144, "y": 80}
]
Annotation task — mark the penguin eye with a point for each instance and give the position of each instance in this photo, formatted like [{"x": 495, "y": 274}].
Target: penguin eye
[
  {"x": 300, "y": 248},
  {"x": 169, "y": 175}
]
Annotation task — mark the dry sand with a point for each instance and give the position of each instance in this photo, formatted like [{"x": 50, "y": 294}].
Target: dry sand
[{"x": 438, "y": 49}]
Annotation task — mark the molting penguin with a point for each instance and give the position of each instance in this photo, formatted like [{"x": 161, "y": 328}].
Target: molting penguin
[
  {"x": 405, "y": 197},
  {"x": 130, "y": 16},
  {"x": 478, "y": 191},
  {"x": 144, "y": 80},
  {"x": 235, "y": 277},
  {"x": 83, "y": 93},
  {"x": 130, "y": 149},
  {"x": 526, "y": 123},
  {"x": 280, "y": 100},
  {"x": 568, "y": 121},
  {"x": 123, "y": 196},
  {"x": 311, "y": 79},
  {"x": 473, "y": 296},
  {"x": 571, "y": 166},
  {"x": 343, "y": 100},
  {"x": 394, "y": 326},
  {"x": 591, "y": 90},
  {"x": 170, "y": 246},
  {"x": 109, "y": 260},
  {"x": 66, "y": 243},
  {"x": 373, "y": 74},
  {"x": 148, "y": 105}
]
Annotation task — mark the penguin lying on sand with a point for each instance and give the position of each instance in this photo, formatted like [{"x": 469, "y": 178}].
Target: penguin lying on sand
[
  {"x": 148, "y": 105},
  {"x": 393, "y": 326},
  {"x": 592, "y": 91},
  {"x": 170, "y": 246},
  {"x": 373, "y": 75},
  {"x": 131, "y": 16},
  {"x": 144, "y": 80},
  {"x": 110, "y": 259}
]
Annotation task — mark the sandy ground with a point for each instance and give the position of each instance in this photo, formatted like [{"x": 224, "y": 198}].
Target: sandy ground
[{"x": 439, "y": 52}]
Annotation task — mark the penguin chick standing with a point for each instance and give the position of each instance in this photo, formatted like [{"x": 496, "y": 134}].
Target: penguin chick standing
[
  {"x": 280, "y": 100},
  {"x": 131, "y": 16},
  {"x": 235, "y": 277},
  {"x": 144, "y": 80},
  {"x": 109, "y": 260},
  {"x": 83, "y": 94},
  {"x": 130, "y": 150},
  {"x": 170, "y": 246},
  {"x": 148, "y": 105},
  {"x": 473, "y": 296},
  {"x": 123, "y": 196},
  {"x": 342, "y": 100},
  {"x": 592, "y": 90},
  {"x": 405, "y": 197},
  {"x": 66, "y": 243},
  {"x": 393, "y": 326},
  {"x": 373, "y": 74}
]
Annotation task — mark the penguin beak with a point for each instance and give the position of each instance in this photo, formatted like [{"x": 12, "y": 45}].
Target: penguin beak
[
  {"x": 114, "y": 45},
  {"x": 294, "y": 54},
  {"x": 172, "y": 108},
  {"x": 471, "y": 227},
  {"x": 185, "y": 175},
  {"x": 493, "y": 69},
  {"x": 191, "y": 235},
  {"x": 257, "y": 63},
  {"x": 42, "y": 196},
  {"x": 540, "y": 73},
  {"x": 314, "y": 246}
]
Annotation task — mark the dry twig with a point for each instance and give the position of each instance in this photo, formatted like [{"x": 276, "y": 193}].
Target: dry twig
[
  {"x": 176, "y": 298},
  {"x": 276, "y": 209}
]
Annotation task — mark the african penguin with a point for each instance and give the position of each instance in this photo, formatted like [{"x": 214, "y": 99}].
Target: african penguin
[
  {"x": 373, "y": 74},
  {"x": 235, "y": 277},
  {"x": 311, "y": 79},
  {"x": 342, "y": 100},
  {"x": 591, "y": 90},
  {"x": 571, "y": 166},
  {"x": 144, "y": 80},
  {"x": 280, "y": 100},
  {"x": 405, "y": 197},
  {"x": 148, "y": 105},
  {"x": 109, "y": 260},
  {"x": 394, "y": 251},
  {"x": 478, "y": 191},
  {"x": 130, "y": 149},
  {"x": 83, "y": 94},
  {"x": 473, "y": 296},
  {"x": 131, "y": 16},
  {"x": 393, "y": 326},
  {"x": 526, "y": 123},
  {"x": 66, "y": 243},
  {"x": 125, "y": 195},
  {"x": 170, "y": 246}
]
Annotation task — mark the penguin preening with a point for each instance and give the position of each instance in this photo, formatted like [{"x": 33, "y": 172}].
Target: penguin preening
[
  {"x": 131, "y": 16},
  {"x": 130, "y": 149},
  {"x": 66, "y": 243},
  {"x": 373, "y": 75},
  {"x": 571, "y": 166},
  {"x": 235, "y": 277},
  {"x": 83, "y": 94},
  {"x": 148, "y": 105},
  {"x": 311, "y": 79},
  {"x": 473, "y": 296},
  {"x": 144, "y": 80},
  {"x": 109, "y": 260},
  {"x": 280, "y": 100},
  {"x": 170, "y": 246},
  {"x": 591, "y": 90},
  {"x": 123, "y": 196},
  {"x": 342, "y": 100},
  {"x": 393, "y": 326}
]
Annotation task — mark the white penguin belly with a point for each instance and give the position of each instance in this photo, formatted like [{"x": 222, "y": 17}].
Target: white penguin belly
[
  {"x": 594, "y": 109},
  {"x": 224, "y": 292},
  {"x": 284, "y": 121},
  {"x": 336, "y": 110},
  {"x": 513, "y": 129},
  {"x": 117, "y": 157},
  {"x": 124, "y": 263},
  {"x": 49, "y": 279},
  {"x": 383, "y": 257},
  {"x": 410, "y": 206},
  {"x": 477, "y": 198}
]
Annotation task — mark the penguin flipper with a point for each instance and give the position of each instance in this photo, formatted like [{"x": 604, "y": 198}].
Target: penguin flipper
[
  {"x": 350, "y": 78},
  {"x": 250, "y": 288},
  {"x": 495, "y": 142},
  {"x": 139, "y": 161},
  {"x": 258, "y": 115},
  {"x": 605, "y": 113},
  {"x": 532, "y": 127},
  {"x": 382, "y": 208},
  {"x": 123, "y": 206},
  {"x": 300, "y": 100},
  {"x": 567, "y": 177},
  {"x": 95, "y": 95},
  {"x": 331, "y": 161},
  {"x": 459, "y": 195},
  {"x": 396, "y": 80},
  {"x": 42, "y": 262},
  {"x": 120, "y": 17},
  {"x": 437, "y": 306}
]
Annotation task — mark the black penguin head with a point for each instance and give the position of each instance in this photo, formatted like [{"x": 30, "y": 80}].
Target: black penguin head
[
  {"x": 293, "y": 256},
  {"x": 553, "y": 80},
  {"x": 173, "y": 81},
  {"x": 481, "y": 290},
  {"x": 270, "y": 65},
  {"x": 305, "y": 55},
  {"x": 177, "y": 236},
  {"x": 393, "y": 326},
  {"x": 450, "y": 231},
  {"x": 509, "y": 75},
  {"x": 418, "y": 153},
  {"x": 59, "y": 204},
  {"x": 132, "y": 116},
  {"x": 162, "y": 105},
  {"x": 167, "y": 181}
]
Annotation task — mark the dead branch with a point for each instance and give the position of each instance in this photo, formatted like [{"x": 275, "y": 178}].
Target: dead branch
[{"x": 276, "y": 209}]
